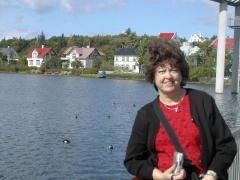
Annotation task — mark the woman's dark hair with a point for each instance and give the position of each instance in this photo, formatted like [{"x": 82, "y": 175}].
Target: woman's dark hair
[{"x": 160, "y": 52}]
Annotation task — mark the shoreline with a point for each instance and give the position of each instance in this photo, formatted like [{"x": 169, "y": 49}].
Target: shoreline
[{"x": 118, "y": 76}]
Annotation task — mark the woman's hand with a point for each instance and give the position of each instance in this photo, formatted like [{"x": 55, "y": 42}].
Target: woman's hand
[
  {"x": 210, "y": 175},
  {"x": 168, "y": 174},
  {"x": 208, "y": 178}
]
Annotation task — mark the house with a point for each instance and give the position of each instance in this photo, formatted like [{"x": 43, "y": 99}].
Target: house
[
  {"x": 229, "y": 43},
  {"x": 127, "y": 58},
  {"x": 196, "y": 38},
  {"x": 189, "y": 49},
  {"x": 9, "y": 54},
  {"x": 85, "y": 55},
  {"x": 169, "y": 36},
  {"x": 37, "y": 56}
]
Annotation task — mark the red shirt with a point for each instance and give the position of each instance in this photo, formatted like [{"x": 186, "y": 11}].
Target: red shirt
[{"x": 186, "y": 131}]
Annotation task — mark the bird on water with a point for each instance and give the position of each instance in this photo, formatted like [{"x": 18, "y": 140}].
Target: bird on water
[
  {"x": 110, "y": 147},
  {"x": 66, "y": 141}
]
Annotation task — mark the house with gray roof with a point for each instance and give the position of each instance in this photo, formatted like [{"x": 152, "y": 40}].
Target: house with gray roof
[
  {"x": 85, "y": 55},
  {"x": 9, "y": 54},
  {"x": 127, "y": 59}
]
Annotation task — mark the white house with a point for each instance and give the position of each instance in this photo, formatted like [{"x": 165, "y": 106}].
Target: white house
[
  {"x": 38, "y": 55},
  {"x": 85, "y": 55},
  {"x": 127, "y": 58},
  {"x": 189, "y": 49},
  {"x": 196, "y": 38}
]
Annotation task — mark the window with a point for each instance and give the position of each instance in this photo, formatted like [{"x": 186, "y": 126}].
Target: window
[
  {"x": 37, "y": 62},
  {"x": 134, "y": 59},
  {"x": 127, "y": 58},
  {"x": 123, "y": 58},
  {"x": 34, "y": 54},
  {"x": 116, "y": 58},
  {"x": 31, "y": 63},
  {"x": 74, "y": 56}
]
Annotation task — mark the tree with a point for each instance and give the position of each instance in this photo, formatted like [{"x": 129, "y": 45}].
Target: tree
[
  {"x": 52, "y": 63},
  {"x": 128, "y": 31},
  {"x": 23, "y": 60},
  {"x": 61, "y": 42},
  {"x": 143, "y": 51},
  {"x": 77, "y": 64},
  {"x": 41, "y": 40},
  {"x": 97, "y": 62}
]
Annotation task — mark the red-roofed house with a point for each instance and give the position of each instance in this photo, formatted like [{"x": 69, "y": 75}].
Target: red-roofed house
[
  {"x": 229, "y": 43},
  {"x": 85, "y": 55},
  {"x": 169, "y": 36},
  {"x": 38, "y": 55}
]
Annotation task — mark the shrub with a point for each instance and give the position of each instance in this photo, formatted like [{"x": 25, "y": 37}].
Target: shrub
[{"x": 127, "y": 76}]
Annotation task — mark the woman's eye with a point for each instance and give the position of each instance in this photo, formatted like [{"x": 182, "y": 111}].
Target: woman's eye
[{"x": 161, "y": 72}]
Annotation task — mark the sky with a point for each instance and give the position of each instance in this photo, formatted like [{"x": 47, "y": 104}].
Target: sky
[{"x": 28, "y": 18}]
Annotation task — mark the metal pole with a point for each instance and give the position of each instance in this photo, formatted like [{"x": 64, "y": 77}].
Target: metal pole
[
  {"x": 221, "y": 47},
  {"x": 235, "y": 63}
]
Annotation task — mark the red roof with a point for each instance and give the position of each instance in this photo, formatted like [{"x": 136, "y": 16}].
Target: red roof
[
  {"x": 167, "y": 35},
  {"x": 42, "y": 52},
  {"x": 229, "y": 43}
]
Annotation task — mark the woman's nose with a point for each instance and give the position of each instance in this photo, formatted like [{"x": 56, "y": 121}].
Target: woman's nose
[{"x": 168, "y": 74}]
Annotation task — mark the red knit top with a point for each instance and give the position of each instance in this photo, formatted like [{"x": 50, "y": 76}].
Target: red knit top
[{"x": 186, "y": 131}]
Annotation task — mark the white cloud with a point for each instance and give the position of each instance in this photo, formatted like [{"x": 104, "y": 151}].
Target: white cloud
[
  {"x": 79, "y": 6},
  {"x": 41, "y": 5},
  {"x": 9, "y": 33},
  {"x": 211, "y": 3},
  {"x": 179, "y": 1},
  {"x": 5, "y": 4}
]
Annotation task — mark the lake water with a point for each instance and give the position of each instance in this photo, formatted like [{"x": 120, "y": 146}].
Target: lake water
[{"x": 38, "y": 111}]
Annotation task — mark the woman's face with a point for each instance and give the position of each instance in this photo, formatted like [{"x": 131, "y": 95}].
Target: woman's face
[{"x": 167, "y": 78}]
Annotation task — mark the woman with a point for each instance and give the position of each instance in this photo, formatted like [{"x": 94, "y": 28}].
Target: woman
[{"x": 194, "y": 117}]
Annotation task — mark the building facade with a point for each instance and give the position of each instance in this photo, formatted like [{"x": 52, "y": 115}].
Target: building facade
[
  {"x": 127, "y": 59},
  {"x": 86, "y": 56},
  {"x": 37, "y": 56}
]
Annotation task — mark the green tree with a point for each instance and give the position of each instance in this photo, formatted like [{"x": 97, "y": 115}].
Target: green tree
[
  {"x": 77, "y": 64},
  {"x": 41, "y": 40},
  {"x": 23, "y": 60},
  {"x": 97, "y": 62},
  {"x": 52, "y": 63}
]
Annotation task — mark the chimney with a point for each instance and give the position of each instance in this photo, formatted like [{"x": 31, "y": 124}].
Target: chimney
[{"x": 42, "y": 46}]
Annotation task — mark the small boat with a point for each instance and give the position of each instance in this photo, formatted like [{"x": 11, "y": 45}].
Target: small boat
[{"x": 102, "y": 74}]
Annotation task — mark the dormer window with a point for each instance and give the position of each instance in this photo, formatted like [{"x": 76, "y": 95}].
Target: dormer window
[
  {"x": 34, "y": 54},
  {"x": 74, "y": 56}
]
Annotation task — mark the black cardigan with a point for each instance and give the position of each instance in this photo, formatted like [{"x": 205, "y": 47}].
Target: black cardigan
[{"x": 218, "y": 146}]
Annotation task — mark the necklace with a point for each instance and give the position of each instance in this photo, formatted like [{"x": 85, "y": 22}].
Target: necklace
[
  {"x": 173, "y": 109},
  {"x": 176, "y": 108}
]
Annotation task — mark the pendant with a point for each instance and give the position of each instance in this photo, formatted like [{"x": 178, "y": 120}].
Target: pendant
[{"x": 176, "y": 109}]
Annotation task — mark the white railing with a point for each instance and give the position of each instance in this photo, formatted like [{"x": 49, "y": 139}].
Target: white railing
[{"x": 234, "y": 170}]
